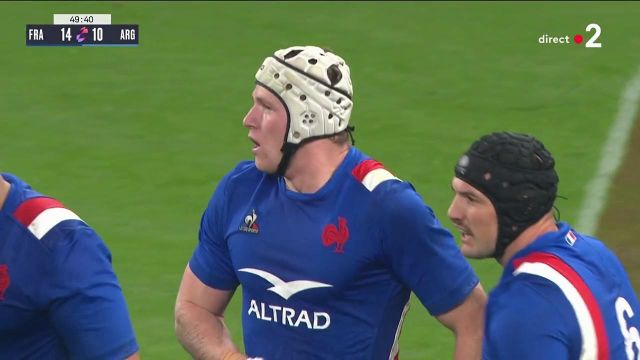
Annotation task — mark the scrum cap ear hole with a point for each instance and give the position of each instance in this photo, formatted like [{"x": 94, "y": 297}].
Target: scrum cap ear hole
[
  {"x": 292, "y": 53},
  {"x": 334, "y": 74}
]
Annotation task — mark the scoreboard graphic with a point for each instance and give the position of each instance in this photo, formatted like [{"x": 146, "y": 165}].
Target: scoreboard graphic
[{"x": 82, "y": 30}]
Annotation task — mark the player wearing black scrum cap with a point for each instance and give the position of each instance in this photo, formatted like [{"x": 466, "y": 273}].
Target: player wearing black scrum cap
[{"x": 563, "y": 295}]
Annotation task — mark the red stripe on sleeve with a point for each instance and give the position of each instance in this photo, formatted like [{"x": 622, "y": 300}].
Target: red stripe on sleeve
[
  {"x": 30, "y": 209},
  {"x": 365, "y": 167}
]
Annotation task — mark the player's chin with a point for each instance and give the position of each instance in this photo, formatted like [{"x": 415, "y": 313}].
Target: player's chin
[
  {"x": 265, "y": 166},
  {"x": 472, "y": 252}
]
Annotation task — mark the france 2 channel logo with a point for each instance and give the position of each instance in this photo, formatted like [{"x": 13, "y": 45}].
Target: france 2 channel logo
[{"x": 577, "y": 39}]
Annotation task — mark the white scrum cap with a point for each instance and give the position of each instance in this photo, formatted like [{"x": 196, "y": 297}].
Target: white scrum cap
[{"x": 315, "y": 87}]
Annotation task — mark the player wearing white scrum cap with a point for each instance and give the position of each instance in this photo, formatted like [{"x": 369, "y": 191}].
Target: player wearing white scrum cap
[
  {"x": 315, "y": 87},
  {"x": 326, "y": 243}
]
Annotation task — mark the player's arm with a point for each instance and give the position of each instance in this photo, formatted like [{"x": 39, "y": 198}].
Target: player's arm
[
  {"x": 467, "y": 323},
  {"x": 85, "y": 302},
  {"x": 208, "y": 283},
  {"x": 199, "y": 320},
  {"x": 425, "y": 256}
]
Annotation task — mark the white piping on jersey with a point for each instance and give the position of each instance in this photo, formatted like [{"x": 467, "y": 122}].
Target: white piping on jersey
[
  {"x": 585, "y": 322},
  {"x": 377, "y": 177},
  {"x": 49, "y": 218},
  {"x": 396, "y": 343},
  {"x": 285, "y": 289}
]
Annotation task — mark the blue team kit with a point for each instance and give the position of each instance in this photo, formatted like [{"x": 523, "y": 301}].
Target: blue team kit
[
  {"x": 59, "y": 296},
  {"x": 565, "y": 296},
  {"x": 328, "y": 275}
]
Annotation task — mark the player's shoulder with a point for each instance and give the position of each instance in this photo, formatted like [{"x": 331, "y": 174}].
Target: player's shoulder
[
  {"x": 541, "y": 281},
  {"x": 526, "y": 288},
  {"x": 244, "y": 172},
  {"x": 239, "y": 183},
  {"x": 372, "y": 175},
  {"x": 594, "y": 247},
  {"x": 374, "y": 178},
  {"x": 385, "y": 187},
  {"x": 598, "y": 264},
  {"x": 244, "y": 167},
  {"x": 46, "y": 219}
]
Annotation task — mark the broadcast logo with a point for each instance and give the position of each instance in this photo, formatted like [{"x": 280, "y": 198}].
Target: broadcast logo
[{"x": 593, "y": 33}]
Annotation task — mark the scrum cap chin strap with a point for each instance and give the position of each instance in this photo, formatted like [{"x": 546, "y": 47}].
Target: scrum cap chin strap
[{"x": 288, "y": 149}]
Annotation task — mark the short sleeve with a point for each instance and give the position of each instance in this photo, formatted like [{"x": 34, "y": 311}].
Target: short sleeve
[
  {"x": 211, "y": 261},
  {"x": 86, "y": 305},
  {"x": 422, "y": 253}
]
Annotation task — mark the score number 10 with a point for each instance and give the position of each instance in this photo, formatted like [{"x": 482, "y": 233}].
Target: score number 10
[{"x": 66, "y": 34}]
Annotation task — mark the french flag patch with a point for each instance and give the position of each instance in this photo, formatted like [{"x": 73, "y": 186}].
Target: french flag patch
[{"x": 570, "y": 238}]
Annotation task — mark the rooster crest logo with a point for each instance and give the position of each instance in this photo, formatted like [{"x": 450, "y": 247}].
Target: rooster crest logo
[
  {"x": 339, "y": 236},
  {"x": 250, "y": 223}
]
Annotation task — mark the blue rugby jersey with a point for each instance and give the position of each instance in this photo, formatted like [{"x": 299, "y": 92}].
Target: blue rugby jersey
[
  {"x": 328, "y": 275},
  {"x": 565, "y": 296},
  {"x": 59, "y": 296}
]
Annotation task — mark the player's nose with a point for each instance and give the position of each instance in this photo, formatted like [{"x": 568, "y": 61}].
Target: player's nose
[
  {"x": 454, "y": 212},
  {"x": 250, "y": 119}
]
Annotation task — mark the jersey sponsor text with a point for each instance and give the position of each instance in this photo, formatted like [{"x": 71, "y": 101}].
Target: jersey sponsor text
[{"x": 315, "y": 320}]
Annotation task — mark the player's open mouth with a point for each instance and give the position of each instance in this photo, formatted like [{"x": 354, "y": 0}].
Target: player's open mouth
[
  {"x": 464, "y": 233},
  {"x": 256, "y": 145}
]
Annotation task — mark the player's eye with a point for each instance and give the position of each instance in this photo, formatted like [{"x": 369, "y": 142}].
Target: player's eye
[{"x": 265, "y": 105}]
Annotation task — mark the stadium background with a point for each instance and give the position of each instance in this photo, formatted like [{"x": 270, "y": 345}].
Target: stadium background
[{"x": 135, "y": 139}]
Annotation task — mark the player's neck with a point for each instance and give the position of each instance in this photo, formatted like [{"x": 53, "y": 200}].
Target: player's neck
[
  {"x": 4, "y": 191},
  {"x": 313, "y": 165},
  {"x": 543, "y": 226}
]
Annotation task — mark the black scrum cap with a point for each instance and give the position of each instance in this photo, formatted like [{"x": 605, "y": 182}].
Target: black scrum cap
[{"x": 517, "y": 174}]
